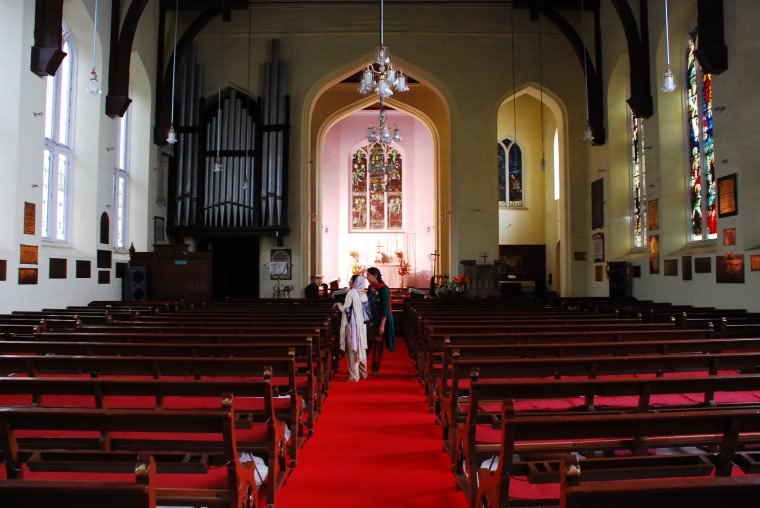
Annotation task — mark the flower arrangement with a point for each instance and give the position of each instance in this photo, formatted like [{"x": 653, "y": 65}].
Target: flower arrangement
[
  {"x": 461, "y": 280},
  {"x": 355, "y": 268},
  {"x": 403, "y": 265}
]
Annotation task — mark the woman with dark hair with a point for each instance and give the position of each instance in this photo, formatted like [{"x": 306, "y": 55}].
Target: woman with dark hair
[{"x": 382, "y": 326}]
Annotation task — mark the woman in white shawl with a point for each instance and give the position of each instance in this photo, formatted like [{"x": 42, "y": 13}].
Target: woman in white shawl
[{"x": 353, "y": 330}]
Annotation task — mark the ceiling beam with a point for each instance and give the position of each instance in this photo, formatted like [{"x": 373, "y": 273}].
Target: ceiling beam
[
  {"x": 117, "y": 100},
  {"x": 47, "y": 51},
  {"x": 637, "y": 38},
  {"x": 711, "y": 51}
]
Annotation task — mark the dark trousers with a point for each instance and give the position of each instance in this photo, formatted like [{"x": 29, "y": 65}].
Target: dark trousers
[{"x": 376, "y": 348}]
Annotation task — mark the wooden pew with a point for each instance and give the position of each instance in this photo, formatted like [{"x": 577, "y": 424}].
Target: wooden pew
[
  {"x": 254, "y": 406},
  {"x": 316, "y": 371},
  {"x": 227, "y": 482},
  {"x": 281, "y": 370},
  {"x": 84, "y": 493},
  {"x": 523, "y": 437},
  {"x": 479, "y": 370},
  {"x": 577, "y": 492}
]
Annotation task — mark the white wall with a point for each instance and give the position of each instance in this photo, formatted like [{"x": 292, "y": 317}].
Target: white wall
[
  {"x": 418, "y": 236},
  {"x": 22, "y": 99}
]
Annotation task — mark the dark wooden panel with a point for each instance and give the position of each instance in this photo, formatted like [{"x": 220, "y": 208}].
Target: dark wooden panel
[
  {"x": 104, "y": 258},
  {"x": 121, "y": 270},
  {"x": 84, "y": 269},
  {"x": 3, "y": 269},
  {"x": 104, "y": 276},
  {"x": 174, "y": 273},
  {"x": 57, "y": 268}
]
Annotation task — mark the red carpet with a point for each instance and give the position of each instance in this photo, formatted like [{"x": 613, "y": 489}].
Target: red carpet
[{"x": 374, "y": 445}]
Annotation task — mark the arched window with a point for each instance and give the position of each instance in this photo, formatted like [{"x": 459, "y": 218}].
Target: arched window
[
  {"x": 510, "y": 174},
  {"x": 702, "y": 186},
  {"x": 638, "y": 179},
  {"x": 59, "y": 107},
  {"x": 376, "y": 189},
  {"x": 121, "y": 182}
]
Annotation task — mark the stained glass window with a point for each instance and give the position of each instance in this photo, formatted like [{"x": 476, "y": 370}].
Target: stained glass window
[
  {"x": 510, "y": 174},
  {"x": 376, "y": 189},
  {"x": 57, "y": 154},
  {"x": 638, "y": 179},
  {"x": 702, "y": 184}
]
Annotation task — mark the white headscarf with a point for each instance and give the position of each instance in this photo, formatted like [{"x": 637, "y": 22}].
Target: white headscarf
[{"x": 357, "y": 312}]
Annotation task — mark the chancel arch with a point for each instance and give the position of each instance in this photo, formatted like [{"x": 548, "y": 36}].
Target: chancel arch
[
  {"x": 529, "y": 230},
  {"x": 425, "y": 115}
]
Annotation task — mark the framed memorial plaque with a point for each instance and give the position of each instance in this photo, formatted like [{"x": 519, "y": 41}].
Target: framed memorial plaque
[
  {"x": 29, "y": 218},
  {"x": 671, "y": 267},
  {"x": 57, "y": 268},
  {"x": 653, "y": 246},
  {"x": 727, "y": 205},
  {"x": 27, "y": 276},
  {"x": 280, "y": 264},
  {"x": 729, "y": 269},
  {"x": 754, "y": 263},
  {"x": 729, "y": 236},
  {"x": 652, "y": 215},
  {"x": 28, "y": 254},
  {"x": 3, "y": 269},
  {"x": 702, "y": 265},
  {"x": 597, "y": 247}
]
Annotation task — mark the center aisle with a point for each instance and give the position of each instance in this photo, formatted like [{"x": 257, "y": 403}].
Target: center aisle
[{"x": 375, "y": 445}]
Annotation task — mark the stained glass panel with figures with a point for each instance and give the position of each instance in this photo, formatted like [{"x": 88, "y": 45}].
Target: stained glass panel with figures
[
  {"x": 638, "y": 179},
  {"x": 702, "y": 184},
  {"x": 376, "y": 189},
  {"x": 510, "y": 174}
]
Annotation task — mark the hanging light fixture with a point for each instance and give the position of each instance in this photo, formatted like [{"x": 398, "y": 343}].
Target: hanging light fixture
[
  {"x": 668, "y": 81},
  {"x": 380, "y": 76},
  {"x": 218, "y": 160},
  {"x": 171, "y": 136},
  {"x": 541, "y": 90},
  {"x": 383, "y": 79},
  {"x": 93, "y": 85},
  {"x": 588, "y": 134},
  {"x": 514, "y": 78}
]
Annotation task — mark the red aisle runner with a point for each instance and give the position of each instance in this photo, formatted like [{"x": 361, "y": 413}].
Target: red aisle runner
[{"x": 375, "y": 445}]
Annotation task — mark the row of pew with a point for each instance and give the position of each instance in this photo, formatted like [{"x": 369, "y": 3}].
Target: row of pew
[
  {"x": 576, "y": 407},
  {"x": 160, "y": 404}
]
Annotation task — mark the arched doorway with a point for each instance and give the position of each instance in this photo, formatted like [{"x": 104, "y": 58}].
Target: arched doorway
[{"x": 427, "y": 111}]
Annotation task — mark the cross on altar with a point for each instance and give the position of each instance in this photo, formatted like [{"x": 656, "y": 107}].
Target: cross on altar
[{"x": 434, "y": 260}]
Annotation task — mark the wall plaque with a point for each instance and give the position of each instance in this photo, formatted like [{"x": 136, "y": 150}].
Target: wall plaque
[
  {"x": 3, "y": 269},
  {"x": 27, "y": 276},
  {"x": 702, "y": 265},
  {"x": 57, "y": 268},
  {"x": 28, "y": 254},
  {"x": 29, "y": 218},
  {"x": 84, "y": 269}
]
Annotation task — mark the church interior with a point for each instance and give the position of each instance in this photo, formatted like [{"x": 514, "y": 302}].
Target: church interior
[{"x": 548, "y": 188}]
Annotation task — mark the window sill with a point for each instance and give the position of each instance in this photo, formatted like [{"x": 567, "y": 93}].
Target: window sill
[
  {"x": 636, "y": 254},
  {"x": 696, "y": 248}
]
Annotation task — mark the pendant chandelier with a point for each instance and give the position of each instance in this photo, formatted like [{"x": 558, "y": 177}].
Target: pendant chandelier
[
  {"x": 93, "y": 85},
  {"x": 588, "y": 134},
  {"x": 171, "y": 136},
  {"x": 668, "y": 81},
  {"x": 380, "y": 77}
]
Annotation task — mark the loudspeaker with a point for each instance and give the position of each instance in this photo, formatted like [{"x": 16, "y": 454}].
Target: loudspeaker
[
  {"x": 621, "y": 280},
  {"x": 135, "y": 284}
]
